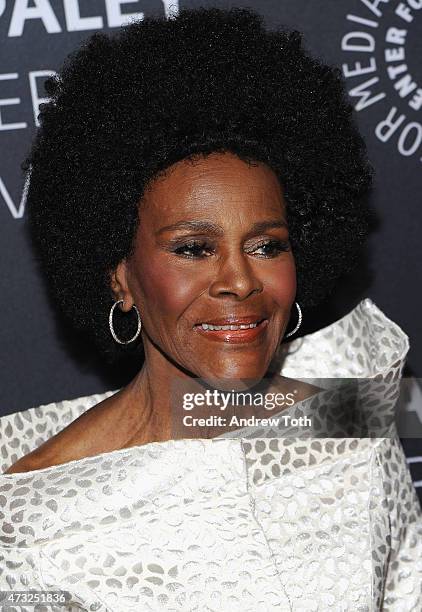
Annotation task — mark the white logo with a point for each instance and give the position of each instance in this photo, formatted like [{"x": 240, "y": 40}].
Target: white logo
[
  {"x": 379, "y": 66},
  {"x": 25, "y": 10}
]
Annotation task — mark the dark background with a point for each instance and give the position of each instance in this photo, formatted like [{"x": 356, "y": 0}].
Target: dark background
[{"x": 43, "y": 361}]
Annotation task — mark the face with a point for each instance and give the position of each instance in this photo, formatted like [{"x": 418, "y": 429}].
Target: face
[{"x": 212, "y": 248}]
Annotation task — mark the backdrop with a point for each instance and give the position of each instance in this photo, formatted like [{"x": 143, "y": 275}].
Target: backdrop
[{"x": 378, "y": 45}]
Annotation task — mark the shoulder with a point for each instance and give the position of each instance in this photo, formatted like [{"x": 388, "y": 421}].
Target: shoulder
[
  {"x": 54, "y": 451},
  {"x": 78, "y": 440},
  {"x": 27, "y": 463},
  {"x": 23, "y": 434}
]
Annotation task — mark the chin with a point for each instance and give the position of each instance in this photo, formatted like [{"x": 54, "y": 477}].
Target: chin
[{"x": 232, "y": 377}]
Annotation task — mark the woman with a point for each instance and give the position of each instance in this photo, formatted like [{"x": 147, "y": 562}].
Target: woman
[{"x": 196, "y": 183}]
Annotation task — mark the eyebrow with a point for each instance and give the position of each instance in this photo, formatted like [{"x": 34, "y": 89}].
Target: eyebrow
[{"x": 216, "y": 230}]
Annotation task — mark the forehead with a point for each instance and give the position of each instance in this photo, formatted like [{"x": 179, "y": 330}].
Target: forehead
[{"x": 220, "y": 182}]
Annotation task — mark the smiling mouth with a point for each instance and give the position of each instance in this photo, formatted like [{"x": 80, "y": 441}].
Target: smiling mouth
[
  {"x": 233, "y": 333},
  {"x": 229, "y": 326}
]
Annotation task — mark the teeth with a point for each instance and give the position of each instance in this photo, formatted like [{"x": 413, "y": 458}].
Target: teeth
[{"x": 227, "y": 327}]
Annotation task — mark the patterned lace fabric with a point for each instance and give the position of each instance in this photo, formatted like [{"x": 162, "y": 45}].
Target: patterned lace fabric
[{"x": 255, "y": 522}]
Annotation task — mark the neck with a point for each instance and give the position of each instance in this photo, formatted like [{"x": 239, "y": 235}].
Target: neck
[{"x": 155, "y": 397}]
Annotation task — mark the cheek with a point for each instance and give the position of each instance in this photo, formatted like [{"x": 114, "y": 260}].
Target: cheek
[
  {"x": 167, "y": 289},
  {"x": 281, "y": 282}
]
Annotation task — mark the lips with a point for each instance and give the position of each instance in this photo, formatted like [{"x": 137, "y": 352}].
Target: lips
[
  {"x": 234, "y": 320},
  {"x": 233, "y": 330}
]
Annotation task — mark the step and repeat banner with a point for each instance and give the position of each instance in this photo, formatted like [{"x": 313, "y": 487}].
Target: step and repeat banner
[{"x": 378, "y": 46}]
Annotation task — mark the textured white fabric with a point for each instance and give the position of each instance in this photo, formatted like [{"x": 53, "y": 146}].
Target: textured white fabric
[{"x": 253, "y": 523}]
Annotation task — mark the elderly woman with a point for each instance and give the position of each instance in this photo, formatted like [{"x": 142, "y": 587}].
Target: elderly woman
[{"x": 196, "y": 186}]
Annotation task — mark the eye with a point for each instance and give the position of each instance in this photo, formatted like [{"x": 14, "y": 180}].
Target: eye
[
  {"x": 193, "y": 249},
  {"x": 271, "y": 248},
  {"x": 197, "y": 249}
]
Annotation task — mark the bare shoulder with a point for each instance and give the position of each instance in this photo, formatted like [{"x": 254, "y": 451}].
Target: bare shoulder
[
  {"x": 27, "y": 463},
  {"x": 18, "y": 466},
  {"x": 91, "y": 433}
]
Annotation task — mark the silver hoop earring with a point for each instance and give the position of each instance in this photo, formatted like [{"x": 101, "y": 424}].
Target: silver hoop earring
[
  {"x": 298, "y": 323},
  {"x": 110, "y": 322}
]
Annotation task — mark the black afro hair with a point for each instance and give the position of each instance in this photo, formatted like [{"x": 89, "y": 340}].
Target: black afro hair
[{"x": 124, "y": 108}]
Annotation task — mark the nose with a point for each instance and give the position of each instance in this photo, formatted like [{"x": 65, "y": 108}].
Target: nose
[{"x": 235, "y": 277}]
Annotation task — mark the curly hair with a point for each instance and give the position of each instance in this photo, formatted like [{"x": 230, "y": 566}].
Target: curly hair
[{"x": 124, "y": 108}]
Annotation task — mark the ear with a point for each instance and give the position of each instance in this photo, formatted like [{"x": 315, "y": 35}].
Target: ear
[{"x": 120, "y": 286}]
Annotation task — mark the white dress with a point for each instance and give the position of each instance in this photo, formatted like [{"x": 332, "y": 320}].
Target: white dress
[{"x": 229, "y": 524}]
